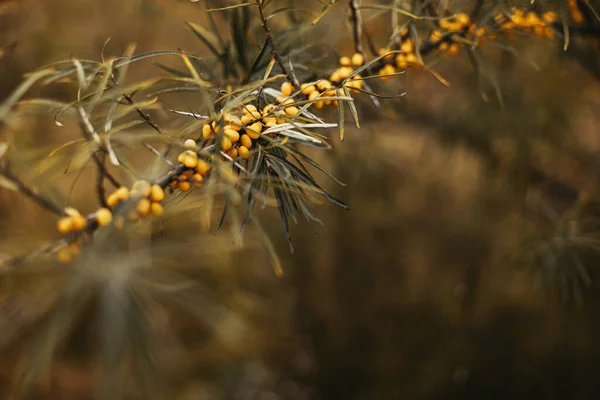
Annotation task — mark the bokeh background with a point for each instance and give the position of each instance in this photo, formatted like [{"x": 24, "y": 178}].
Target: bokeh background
[{"x": 425, "y": 289}]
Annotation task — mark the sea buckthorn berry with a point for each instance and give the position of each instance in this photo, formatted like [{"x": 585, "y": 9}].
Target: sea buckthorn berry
[
  {"x": 233, "y": 153},
  {"x": 407, "y": 46},
  {"x": 246, "y": 119},
  {"x": 157, "y": 193},
  {"x": 292, "y": 111},
  {"x": 313, "y": 95},
  {"x": 401, "y": 61},
  {"x": 254, "y": 130},
  {"x": 324, "y": 84},
  {"x": 307, "y": 89},
  {"x": 79, "y": 223},
  {"x": 234, "y": 136},
  {"x": 64, "y": 255},
  {"x": 386, "y": 52},
  {"x": 184, "y": 186},
  {"x": 103, "y": 216},
  {"x": 243, "y": 152},
  {"x": 267, "y": 120},
  {"x": 198, "y": 179},
  {"x": 345, "y": 72},
  {"x": 358, "y": 60},
  {"x": 345, "y": 61},
  {"x": 268, "y": 108},
  {"x": 203, "y": 167},
  {"x": 65, "y": 225},
  {"x": 232, "y": 127},
  {"x": 122, "y": 193},
  {"x": 186, "y": 175},
  {"x": 142, "y": 188},
  {"x": 207, "y": 131},
  {"x": 156, "y": 209},
  {"x": 454, "y": 49},
  {"x": 411, "y": 59},
  {"x": 436, "y": 35},
  {"x": 248, "y": 108},
  {"x": 112, "y": 200},
  {"x": 226, "y": 143},
  {"x": 191, "y": 159},
  {"x": 287, "y": 89},
  {"x": 246, "y": 141},
  {"x": 190, "y": 143},
  {"x": 550, "y": 17},
  {"x": 387, "y": 70},
  {"x": 143, "y": 207},
  {"x": 74, "y": 249},
  {"x": 463, "y": 19},
  {"x": 532, "y": 19},
  {"x": 335, "y": 76}
]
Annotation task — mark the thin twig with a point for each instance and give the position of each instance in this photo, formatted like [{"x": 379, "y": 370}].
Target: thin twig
[
  {"x": 273, "y": 47},
  {"x": 29, "y": 192},
  {"x": 100, "y": 182},
  {"x": 356, "y": 26}
]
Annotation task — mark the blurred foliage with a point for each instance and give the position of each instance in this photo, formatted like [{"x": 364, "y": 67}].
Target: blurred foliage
[{"x": 465, "y": 267}]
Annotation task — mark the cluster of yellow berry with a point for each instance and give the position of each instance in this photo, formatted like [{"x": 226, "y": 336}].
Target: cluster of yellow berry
[
  {"x": 197, "y": 168},
  {"x": 528, "y": 22}
]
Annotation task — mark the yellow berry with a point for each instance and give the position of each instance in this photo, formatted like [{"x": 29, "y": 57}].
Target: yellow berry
[
  {"x": 268, "y": 108},
  {"x": 254, "y": 130},
  {"x": 64, "y": 255},
  {"x": 234, "y": 136},
  {"x": 143, "y": 207},
  {"x": 157, "y": 193},
  {"x": 248, "y": 108},
  {"x": 226, "y": 143},
  {"x": 292, "y": 111},
  {"x": 246, "y": 141},
  {"x": 463, "y": 19},
  {"x": 191, "y": 160},
  {"x": 233, "y": 153},
  {"x": 323, "y": 84},
  {"x": 141, "y": 188},
  {"x": 287, "y": 89},
  {"x": 401, "y": 61},
  {"x": 79, "y": 223},
  {"x": 244, "y": 152},
  {"x": 407, "y": 46},
  {"x": 246, "y": 119},
  {"x": 184, "y": 186},
  {"x": 65, "y": 225},
  {"x": 345, "y": 72},
  {"x": 454, "y": 49},
  {"x": 549, "y": 17},
  {"x": 232, "y": 127},
  {"x": 198, "y": 179},
  {"x": 203, "y": 167},
  {"x": 345, "y": 61},
  {"x": 207, "y": 132},
  {"x": 112, "y": 200},
  {"x": 307, "y": 89},
  {"x": 122, "y": 193},
  {"x": 156, "y": 209},
  {"x": 103, "y": 216},
  {"x": 190, "y": 143},
  {"x": 358, "y": 60}
]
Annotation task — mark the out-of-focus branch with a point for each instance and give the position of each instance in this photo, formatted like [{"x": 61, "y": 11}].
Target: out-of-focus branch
[
  {"x": 356, "y": 26},
  {"x": 29, "y": 192}
]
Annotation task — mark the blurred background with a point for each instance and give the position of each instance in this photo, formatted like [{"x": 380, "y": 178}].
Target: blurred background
[{"x": 466, "y": 267}]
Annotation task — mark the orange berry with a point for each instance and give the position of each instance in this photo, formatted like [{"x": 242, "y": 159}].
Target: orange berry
[
  {"x": 64, "y": 255},
  {"x": 65, "y": 225},
  {"x": 157, "y": 193},
  {"x": 122, "y": 193},
  {"x": 203, "y": 167},
  {"x": 79, "y": 223},
  {"x": 254, "y": 130},
  {"x": 140, "y": 189},
  {"x": 287, "y": 89},
  {"x": 292, "y": 111},
  {"x": 358, "y": 60},
  {"x": 207, "y": 131},
  {"x": 103, "y": 216},
  {"x": 234, "y": 136},
  {"x": 407, "y": 46},
  {"x": 233, "y": 153},
  {"x": 143, "y": 207},
  {"x": 156, "y": 209},
  {"x": 244, "y": 152},
  {"x": 307, "y": 89},
  {"x": 248, "y": 108},
  {"x": 184, "y": 186},
  {"x": 246, "y": 141},
  {"x": 226, "y": 143},
  {"x": 198, "y": 179}
]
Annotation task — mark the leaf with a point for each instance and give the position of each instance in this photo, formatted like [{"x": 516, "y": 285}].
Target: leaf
[
  {"x": 256, "y": 62},
  {"x": 341, "y": 118},
  {"x": 205, "y": 36},
  {"x": 564, "y": 16},
  {"x": 254, "y": 3},
  {"x": 20, "y": 91},
  {"x": 352, "y": 107},
  {"x": 490, "y": 73}
]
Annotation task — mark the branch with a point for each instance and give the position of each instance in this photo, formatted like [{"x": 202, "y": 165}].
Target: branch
[
  {"x": 273, "y": 48},
  {"x": 23, "y": 188},
  {"x": 356, "y": 26}
]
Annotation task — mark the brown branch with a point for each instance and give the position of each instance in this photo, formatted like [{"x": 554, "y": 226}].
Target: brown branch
[
  {"x": 29, "y": 192},
  {"x": 356, "y": 26},
  {"x": 273, "y": 47},
  {"x": 100, "y": 182}
]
